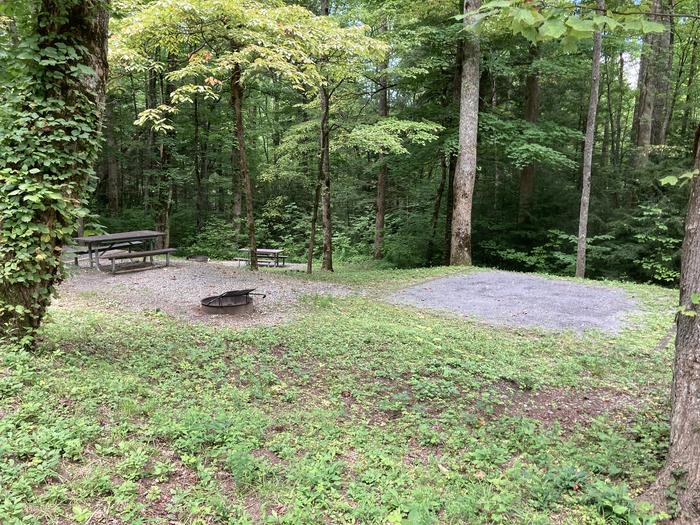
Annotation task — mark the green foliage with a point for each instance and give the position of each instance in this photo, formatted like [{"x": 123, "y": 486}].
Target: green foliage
[
  {"x": 556, "y": 255},
  {"x": 560, "y": 21},
  {"x": 617, "y": 506},
  {"x": 388, "y": 135},
  {"x": 49, "y": 140},
  {"x": 658, "y": 259},
  {"x": 218, "y": 239}
]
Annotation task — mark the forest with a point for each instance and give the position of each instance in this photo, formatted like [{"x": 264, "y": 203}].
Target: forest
[
  {"x": 385, "y": 124},
  {"x": 491, "y": 214}
]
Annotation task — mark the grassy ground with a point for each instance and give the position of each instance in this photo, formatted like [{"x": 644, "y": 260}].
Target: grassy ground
[{"x": 360, "y": 412}]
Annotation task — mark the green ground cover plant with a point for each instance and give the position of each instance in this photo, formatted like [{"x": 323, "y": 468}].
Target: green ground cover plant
[{"x": 356, "y": 412}]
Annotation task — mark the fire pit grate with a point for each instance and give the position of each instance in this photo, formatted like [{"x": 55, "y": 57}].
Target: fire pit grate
[{"x": 231, "y": 302}]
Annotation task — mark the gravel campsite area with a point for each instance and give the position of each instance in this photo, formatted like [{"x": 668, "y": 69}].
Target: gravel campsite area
[
  {"x": 177, "y": 290},
  {"x": 518, "y": 299}
]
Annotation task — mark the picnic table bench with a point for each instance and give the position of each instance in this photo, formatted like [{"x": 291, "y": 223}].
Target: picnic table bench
[
  {"x": 113, "y": 257},
  {"x": 75, "y": 251},
  {"x": 100, "y": 244},
  {"x": 266, "y": 256}
]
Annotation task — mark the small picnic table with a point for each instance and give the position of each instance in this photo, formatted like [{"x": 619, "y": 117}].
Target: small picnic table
[
  {"x": 273, "y": 255},
  {"x": 101, "y": 243}
]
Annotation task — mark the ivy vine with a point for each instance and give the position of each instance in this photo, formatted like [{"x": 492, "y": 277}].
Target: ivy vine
[{"x": 49, "y": 141}]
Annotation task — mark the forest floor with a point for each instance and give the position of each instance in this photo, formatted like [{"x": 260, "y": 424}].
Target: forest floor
[{"x": 354, "y": 410}]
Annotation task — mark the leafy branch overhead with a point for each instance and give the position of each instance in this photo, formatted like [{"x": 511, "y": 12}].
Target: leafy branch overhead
[
  {"x": 391, "y": 135},
  {"x": 283, "y": 43},
  {"x": 562, "y": 21}
]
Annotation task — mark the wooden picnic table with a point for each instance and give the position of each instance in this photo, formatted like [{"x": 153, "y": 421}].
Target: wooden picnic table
[
  {"x": 101, "y": 243},
  {"x": 271, "y": 254}
]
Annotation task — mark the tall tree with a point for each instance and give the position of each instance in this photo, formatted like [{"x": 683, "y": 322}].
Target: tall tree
[
  {"x": 45, "y": 179},
  {"x": 237, "y": 105},
  {"x": 532, "y": 106},
  {"x": 589, "y": 141},
  {"x": 679, "y": 480},
  {"x": 383, "y": 168},
  {"x": 465, "y": 171}
]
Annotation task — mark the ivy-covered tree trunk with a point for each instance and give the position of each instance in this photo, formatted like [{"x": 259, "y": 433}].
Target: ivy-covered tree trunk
[
  {"x": 465, "y": 173},
  {"x": 588, "y": 151},
  {"x": 47, "y": 155}
]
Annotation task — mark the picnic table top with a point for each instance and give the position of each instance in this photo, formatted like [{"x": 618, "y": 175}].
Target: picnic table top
[
  {"x": 264, "y": 251},
  {"x": 121, "y": 236}
]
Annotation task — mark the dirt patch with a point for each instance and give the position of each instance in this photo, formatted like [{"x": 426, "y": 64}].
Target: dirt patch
[
  {"x": 564, "y": 406},
  {"x": 518, "y": 299}
]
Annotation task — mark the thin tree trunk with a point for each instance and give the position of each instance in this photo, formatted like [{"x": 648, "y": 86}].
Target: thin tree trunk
[
  {"x": 150, "y": 95},
  {"x": 618, "y": 115},
  {"x": 383, "y": 168},
  {"x": 203, "y": 195},
  {"x": 644, "y": 110},
  {"x": 527, "y": 174},
  {"x": 588, "y": 151},
  {"x": 112, "y": 164},
  {"x": 605, "y": 147},
  {"x": 199, "y": 212},
  {"x": 465, "y": 173},
  {"x": 449, "y": 208},
  {"x": 164, "y": 198},
  {"x": 691, "y": 80},
  {"x": 314, "y": 221},
  {"x": 236, "y": 188},
  {"x": 663, "y": 65},
  {"x": 237, "y": 103},
  {"x": 437, "y": 205},
  {"x": 325, "y": 177}
]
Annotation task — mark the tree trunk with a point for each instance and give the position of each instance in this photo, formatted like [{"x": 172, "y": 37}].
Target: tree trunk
[
  {"x": 663, "y": 65},
  {"x": 312, "y": 234},
  {"x": 201, "y": 165},
  {"x": 449, "y": 207},
  {"x": 383, "y": 168},
  {"x": 164, "y": 197},
  {"x": 588, "y": 151},
  {"x": 325, "y": 177},
  {"x": 112, "y": 164},
  {"x": 532, "y": 105},
  {"x": 437, "y": 205},
  {"x": 679, "y": 480},
  {"x": 237, "y": 103},
  {"x": 465, "y": 173},
  {"x": 621, "y": 82},
  {"x": 236, "y": 188},
  {"x": 649, "y": 73},
  {"x": 691, "y": 80},
  {"x": 199, "y": 212},
  {"x": 30, "y": 257},
  {"x": 151, "y": 102}
]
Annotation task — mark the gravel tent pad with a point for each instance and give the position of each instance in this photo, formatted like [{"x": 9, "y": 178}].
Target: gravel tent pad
[{"x": 517, "y": 299}]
